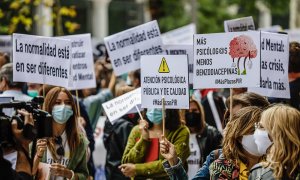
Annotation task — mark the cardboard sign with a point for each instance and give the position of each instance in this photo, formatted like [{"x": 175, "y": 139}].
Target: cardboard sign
[
  {"x": 82, "y": 61},
  {"x": 42, "y": 60},
  {"x": 126, "y": 48},
  {"x": 119, "y": 106},
  {"x": 183, "y": 35},
  {"x": 240, "y": 24},
  {"x": 5, "y": 44},
  {"x": 165, "y": 76},
  {"x": 182, "y": 50},
  {"x": 227, "y": 60},
  {"x": 274, "y": 80}
]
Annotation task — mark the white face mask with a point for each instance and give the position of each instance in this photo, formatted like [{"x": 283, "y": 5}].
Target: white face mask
[
  {"x": 250, "y": 146},
  {"x": 262, "y": 140}
]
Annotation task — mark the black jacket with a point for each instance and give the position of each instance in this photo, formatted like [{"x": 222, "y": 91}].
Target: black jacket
[
  {"x": 208, "y": 141},
  {"x": 220, "y": 106},
  {"x": 115, "y": 139}
]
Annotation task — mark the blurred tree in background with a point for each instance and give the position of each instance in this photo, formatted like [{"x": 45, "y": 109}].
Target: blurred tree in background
[
  {"x": 211, "y": 14},
  {"x": 20, "y": 16},
  {"x": 169, "y": 13}
]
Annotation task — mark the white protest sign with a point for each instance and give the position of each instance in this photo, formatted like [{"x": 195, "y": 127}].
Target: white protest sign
[
  {"x": 240, "y": 24},
  {"x": 274, "y": 80},
  {"x": 181, "y": 50},
  {"x": 227, "y": 60},
  {"x": 42, "y": 60},
  {"x": 165, "y": 76},
  {"x": 82, "y": 61},
  {"x": 183, "y": 35},
  {"x": 5, "y": 44},
  {"x": 126, "y": 48},
  {"x": 119, "y": 106}
]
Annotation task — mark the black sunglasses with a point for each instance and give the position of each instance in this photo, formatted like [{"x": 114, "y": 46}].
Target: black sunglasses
[{"x": 60, "y": 150}]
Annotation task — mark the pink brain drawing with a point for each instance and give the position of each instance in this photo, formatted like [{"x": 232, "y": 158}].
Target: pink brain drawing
[{"x": 242, "y": 46}]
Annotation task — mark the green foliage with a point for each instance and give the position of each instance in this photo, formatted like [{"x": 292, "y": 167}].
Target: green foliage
[
  {"x": 211, "y": 14},
  {"x": 174, "y": 15},
  {"x": 19, "y": 16}
]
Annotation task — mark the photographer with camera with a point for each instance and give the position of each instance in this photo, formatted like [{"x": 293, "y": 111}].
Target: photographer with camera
[
  {"x": 16, "y": 147},
  {"x": 18, "y": 135}
]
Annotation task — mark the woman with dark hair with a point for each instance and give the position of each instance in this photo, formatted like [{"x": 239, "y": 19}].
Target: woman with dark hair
[
  {"x": 141, "y": 158},
  {"x": 66, "y": 150},
  {"x": 203, "y": 138}
]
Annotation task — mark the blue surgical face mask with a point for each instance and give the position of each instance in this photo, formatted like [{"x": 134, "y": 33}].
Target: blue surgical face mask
[
  {"x": 62, "y": 113},
  {"x": 154, "y": 115},
  {"x": 32, "y": 93}
]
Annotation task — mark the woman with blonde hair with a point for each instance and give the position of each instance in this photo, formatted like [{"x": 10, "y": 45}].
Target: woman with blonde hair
[
  {"x": 65, "y": 152},
  {"x": 280, "y": 124},
  {"x": 240, "y": 152}
]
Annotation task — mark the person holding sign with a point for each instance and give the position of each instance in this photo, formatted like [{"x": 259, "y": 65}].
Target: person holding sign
[
  {"x": 141, "y": 158},
  {"x": 279, "y": 129},
  {"x": 203, "y": 138},
  {"x": 115, "y": 139},
  {"x": 93, "y": 102},
  {"x": 65, "y": 153}
]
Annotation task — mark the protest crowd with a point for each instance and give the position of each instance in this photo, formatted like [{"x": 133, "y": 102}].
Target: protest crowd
[{"x": 228, "y": 109}]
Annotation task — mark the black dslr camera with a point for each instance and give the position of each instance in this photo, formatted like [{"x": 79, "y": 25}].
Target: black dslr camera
[{"x": 42, "y": 121}]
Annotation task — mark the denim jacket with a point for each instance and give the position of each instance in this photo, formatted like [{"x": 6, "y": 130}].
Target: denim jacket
[{"x": 177, "y": 171}]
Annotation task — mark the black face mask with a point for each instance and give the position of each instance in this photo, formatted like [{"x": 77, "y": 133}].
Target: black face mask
[{"x": 193, "y": 119}]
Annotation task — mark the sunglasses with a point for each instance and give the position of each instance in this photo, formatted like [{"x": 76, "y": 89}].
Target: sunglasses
[{"x": 60, "y": 150}]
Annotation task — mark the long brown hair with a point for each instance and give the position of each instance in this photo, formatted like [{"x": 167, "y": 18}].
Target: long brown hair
[
  {"x": 242, "y": 123},
  {"x": 71, "y": 126}
]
